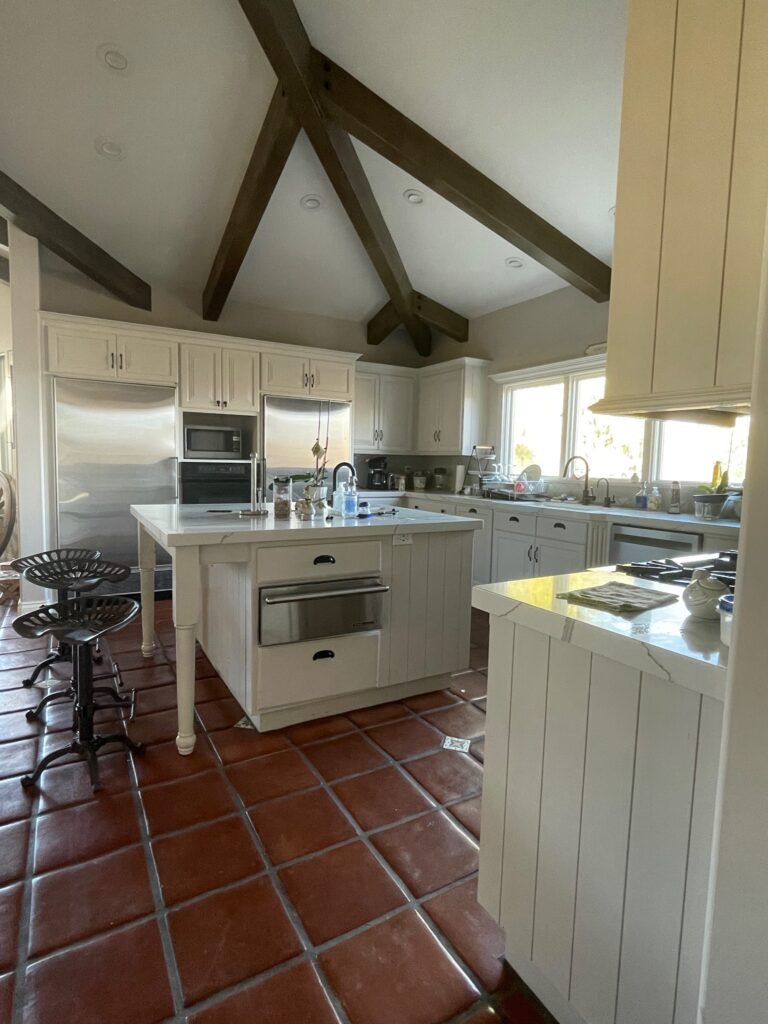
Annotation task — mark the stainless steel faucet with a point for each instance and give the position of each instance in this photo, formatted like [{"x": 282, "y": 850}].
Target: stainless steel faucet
[
  {"x": 607, "y": 500},
  {"x": 587, "y": 497},
  {"x": 343, "y": 465}
]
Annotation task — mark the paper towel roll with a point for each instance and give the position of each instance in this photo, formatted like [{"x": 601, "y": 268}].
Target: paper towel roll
[{"x": 461, "y": 472}]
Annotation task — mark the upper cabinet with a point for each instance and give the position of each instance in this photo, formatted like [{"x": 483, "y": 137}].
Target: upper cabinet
[
  {"x": 91, "y": 352},
  {"x": 452, "y": 398},
  {"x": 384, "y": 410},
  {"x": 300, "y": 377},
  {"x": 218, "y": 378},
  {"x": 690, "y": 211}
]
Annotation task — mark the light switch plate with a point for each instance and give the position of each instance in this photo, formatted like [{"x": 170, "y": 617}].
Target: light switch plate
[{"x": 402, "y": 538}]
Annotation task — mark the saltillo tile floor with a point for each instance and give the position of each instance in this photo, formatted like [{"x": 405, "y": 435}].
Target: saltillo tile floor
[{"x": 320, "y": 874}]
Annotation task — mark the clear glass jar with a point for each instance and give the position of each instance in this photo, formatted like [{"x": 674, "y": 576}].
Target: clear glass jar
[{"x": 282, "y": 497}]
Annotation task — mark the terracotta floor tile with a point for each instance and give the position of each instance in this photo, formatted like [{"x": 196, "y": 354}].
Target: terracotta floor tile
[
  {"x": 478, "y": 750},
  {"x": 428, "y": 852},
  {"x": 7, "y": 982},
  {"x": 464, "y": 721},
  {"x": 481, "y": 704},
  {"x": 155, "y": 698},
  {"x": 447, "y": 775},
  {"x": 241, "y": 744},
  {"x": 276, "y": 1000},
  {"x": 468, "y": 813},
  {"x": 373, "y": 974},
  {"x": 346, "y": 755},
  {"x": 173, "y": 805},
  {"x": 18, "y": 758},
  {"x": 62, "y": 786},
  {"x": 13, "y": 851},
  {"x": 469, "y": 685},
  {"x": 484, "y": 1016},
  {"x": 298, "y": 824},
  {"x": 127, "y": 660},
  {"x": 92, "y": 897},
  {"x": 15, "y": 801},
  {"x": 14, "y": 642},
  {"x": 381, "y": 798},
  {"x": 378, "y": 714},
  {"x": 220, "y": 714},
  {"x": 471, "y": 931},
  {"x": 263, "y": 778},
  {"x": 163, "y": 763},
  {"x": 58, "y": 718},
  {"x": 200, "y": 859},
  {"x": 430, "y": 701},
  {"x": 258, "y": 936},
  {"x": 87, "y": 830},
  {"x": 320, "y": 729},
  {"x": 10, "y": 916},
  {"x": 340, "y": 890},
  {"x": 158, "y": 727},
  {"x": 407, "y": 738},
  {"x": 211, "y": 688},
  {"x": 523, "y": 1008},
  {"x": 19, "y": 700},
  {"x": 152, "y": 675},
  {"x": 129, "y": 985},
  {"x": 22, "y": 659},
  {"x": 13, "y": 679},
  {"x": 478, "y": 658}
]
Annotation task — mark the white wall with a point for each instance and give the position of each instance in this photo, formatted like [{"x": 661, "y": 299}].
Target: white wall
[{"x": 5, "y": 317}]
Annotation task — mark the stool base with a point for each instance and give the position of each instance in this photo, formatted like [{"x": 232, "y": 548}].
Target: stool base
[{"x": 88, "y": 749}]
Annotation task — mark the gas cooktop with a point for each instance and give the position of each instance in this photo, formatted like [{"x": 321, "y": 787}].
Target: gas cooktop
[{"x": 679, "y": 571}]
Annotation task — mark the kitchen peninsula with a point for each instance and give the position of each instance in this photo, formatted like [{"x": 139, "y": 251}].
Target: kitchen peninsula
[
  {"x": 306, "y": 619},
  {"x": 601, "y": 760}
]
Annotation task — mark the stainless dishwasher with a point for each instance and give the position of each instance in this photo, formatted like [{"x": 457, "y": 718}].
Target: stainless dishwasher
[
  {"x": 639, "y": 543},
  {"x": 306, "y": 611}
]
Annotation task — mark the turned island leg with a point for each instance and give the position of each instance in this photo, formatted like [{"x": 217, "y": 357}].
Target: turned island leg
[
  {"x": 147, "y": 577},
  {"x": 186, "y": 610}
]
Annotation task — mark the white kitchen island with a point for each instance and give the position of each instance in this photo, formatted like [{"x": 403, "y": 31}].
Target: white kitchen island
[
  {"x": 601, "y": 757},
  {"x": 222, "y": 562}
]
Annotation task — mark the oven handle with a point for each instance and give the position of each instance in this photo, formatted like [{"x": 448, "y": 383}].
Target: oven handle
[{"x": 309, "y": 596}]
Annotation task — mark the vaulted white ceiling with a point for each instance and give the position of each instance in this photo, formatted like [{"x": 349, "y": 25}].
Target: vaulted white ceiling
[{"x": 528, "y": 91}]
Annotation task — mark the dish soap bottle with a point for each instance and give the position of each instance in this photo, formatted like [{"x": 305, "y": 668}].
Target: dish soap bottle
[
  {"x": 654, "y": 500},
  {"x": 641, "y": 498},
  {"x": 674, "y": 500},
  {"x": 350, "y": 501},
  {"x": 339, "y": 496}
]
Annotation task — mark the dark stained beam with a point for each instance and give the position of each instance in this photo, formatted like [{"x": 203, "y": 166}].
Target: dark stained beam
[
  {"x": 3, "y": 231},
  {"x": 381, "y": 324},
  {"x": 23, "y": 209},
  {"x": 433, "y": 313},
  {"x": 287, "y": 47},
  {"x": 369, "y": 118},
  {"x": 5, "y": 270},
  {"x": 272, "y": 149}
]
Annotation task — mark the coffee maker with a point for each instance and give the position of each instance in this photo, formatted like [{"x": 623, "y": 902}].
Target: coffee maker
[{"x": 377, "y": 473}]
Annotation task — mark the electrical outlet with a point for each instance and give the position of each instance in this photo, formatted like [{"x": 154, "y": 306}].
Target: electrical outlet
[{"x": 402, "y": 538}]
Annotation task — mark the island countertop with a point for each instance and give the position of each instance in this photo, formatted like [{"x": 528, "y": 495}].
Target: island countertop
[
  {"x": 182, "y": 525},
  {"x": 666, "y": 642}
]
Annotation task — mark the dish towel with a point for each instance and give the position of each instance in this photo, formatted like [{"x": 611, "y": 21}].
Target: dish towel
[{"x": 619, "y": 597}]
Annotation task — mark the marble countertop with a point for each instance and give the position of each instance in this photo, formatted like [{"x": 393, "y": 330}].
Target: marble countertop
[
  {"x": 664, "y": 642},
  {"x": 180, "y": 525}
]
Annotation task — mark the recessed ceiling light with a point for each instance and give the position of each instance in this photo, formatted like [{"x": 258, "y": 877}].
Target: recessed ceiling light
[
  {"x": 412, "y": 195},
  {"x": 311, "y": 202},
  {"x": 112, "y": 57},
  {"x": 514, "y": 262},
  {"x": 108, "y": 148}
]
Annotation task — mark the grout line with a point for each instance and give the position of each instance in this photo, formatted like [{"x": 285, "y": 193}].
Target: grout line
[{"x": 25, "y": 915}]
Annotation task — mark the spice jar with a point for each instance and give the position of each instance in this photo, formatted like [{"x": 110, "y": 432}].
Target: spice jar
[{"x": 282, "y": 496}]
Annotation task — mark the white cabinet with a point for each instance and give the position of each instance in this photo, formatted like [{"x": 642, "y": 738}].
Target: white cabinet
[
  {"x": 91, "y": 352},
  {"x": 555, "y": 558},
  {"x": 219, "y": 378},
  {"x": 526, "y": 545},
  {"x": 433, "y": 505},
  {"x": 297, "y": 376},
  {"x": 384, "y": 408},
  {"x": 452, "y": 399},
  {"x": 512, "y": 556},
  {"x": 482, "y": 542}
]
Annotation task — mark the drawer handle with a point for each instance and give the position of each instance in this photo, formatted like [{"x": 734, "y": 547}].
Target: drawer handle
[
  {"x": 559, "y": 526},
  {"x": 324, "y": 560},
  {"x": 514, "y": 519},
  {"x": 530, "y": 549},
  {"x": 320, "y": 655},
  {"x": 472, "y": 510}
]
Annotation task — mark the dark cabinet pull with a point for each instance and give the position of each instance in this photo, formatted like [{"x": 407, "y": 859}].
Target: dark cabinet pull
[
  {"x": 320, "y": 655},
  {"x": 559, "y": 526},
  {"x": 472, "y": 510},
  {"x": 536, "y": 555},
  {"x": 530, "y": 549},
  {"x": 324, "y": 560},
  {"x": 121, "y": 361},
  {"x": 112, "y": 360},
  {"x": 312, "y": 380},
  {"x": 514, "y": 519}
]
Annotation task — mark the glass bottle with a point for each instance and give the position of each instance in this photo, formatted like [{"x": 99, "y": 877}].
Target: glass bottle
[
  {"x": 282, "y": 496},
  {"x": 641, "y": 498}
]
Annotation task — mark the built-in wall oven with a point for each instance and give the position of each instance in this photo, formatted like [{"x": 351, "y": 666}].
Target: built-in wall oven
[
  {"x": 214, "y": 483},
  {"x": 203, "y": 441}
]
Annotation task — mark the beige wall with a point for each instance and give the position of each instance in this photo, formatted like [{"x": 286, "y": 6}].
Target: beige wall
[{"x": 5, "y": 317}]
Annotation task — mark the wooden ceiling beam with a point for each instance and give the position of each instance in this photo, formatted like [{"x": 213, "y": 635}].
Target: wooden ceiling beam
[
  {"x": 282, "y": 36},
  {"x": 359, "y": 111},
  {"x": 272, "y": 149},
  {"x": 5, "y": 270},
  {"x": 381, "y": 324},
  {"x": 3, "y": 231},
  {"x": 430, "y": 312},
  {"x": 28, "y": 213}
]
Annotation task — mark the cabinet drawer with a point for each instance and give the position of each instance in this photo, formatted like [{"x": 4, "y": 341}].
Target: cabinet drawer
[
  {"x": 513, "y": 521},
  {"x": 562, "y": 529},
  {"x": 313, "y": 669},
  {"x": 319, "y": 561}
]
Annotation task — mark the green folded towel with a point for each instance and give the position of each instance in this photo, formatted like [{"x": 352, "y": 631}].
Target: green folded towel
[{"x": 619, "y": 597}]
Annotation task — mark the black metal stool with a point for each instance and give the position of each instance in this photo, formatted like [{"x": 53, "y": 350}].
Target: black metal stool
[
  {"x": 51, "y": 560},
  {"x": 80, "y": 622},
  {"x": 66, "y": 576}
]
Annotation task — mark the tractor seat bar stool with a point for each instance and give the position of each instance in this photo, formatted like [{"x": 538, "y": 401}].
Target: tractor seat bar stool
[
  {"x": 80, "y": 622},
  {"x": 51, "y": 559}
]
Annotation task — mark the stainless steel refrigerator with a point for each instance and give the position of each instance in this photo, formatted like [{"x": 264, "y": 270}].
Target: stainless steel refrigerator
[
  {"x": 115, "y": 447},
  {"x": 290, "y": 427}
]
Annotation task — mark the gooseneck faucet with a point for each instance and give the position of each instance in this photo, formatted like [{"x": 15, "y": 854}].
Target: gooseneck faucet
[
  {"x": 343, "y": 465},
  {"x": 607, "y": 500},
  {"x": 587, "y": 497}
]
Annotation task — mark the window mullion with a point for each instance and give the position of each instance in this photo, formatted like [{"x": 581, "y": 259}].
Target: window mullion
[{"x": 568, "y": 439}]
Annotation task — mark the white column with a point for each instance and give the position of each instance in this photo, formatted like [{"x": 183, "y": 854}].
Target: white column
[
  {"x": 147, "y": 577},
  {"x": 28, "y": 399},
  {"x": 186, "y": 611},
  {"x": 735, "y": 980}
]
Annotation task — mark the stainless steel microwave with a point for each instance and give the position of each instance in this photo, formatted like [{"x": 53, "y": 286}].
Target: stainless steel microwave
[{"x": 205, "y": 442}]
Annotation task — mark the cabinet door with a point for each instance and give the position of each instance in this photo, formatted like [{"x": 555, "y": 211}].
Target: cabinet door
[
  {"x": 285, "y": 375},
  {"x": 366, "y": 431},
  {"x": 240, "y": 376},
  {"x": 429, "y": 404},
  {"x": 329, "y": 379},
  {"x": 553, "y": 558},
  {"x": 482, "y": 542},
  {"x": 450, "y": 411},
  {"x": 396, "y": 403},
  {"x": 512, "y": 556},
  {"x": 147, "y": 359},
  {"x": 200, "y": 377},
  {"x": 82, "y": 353}
]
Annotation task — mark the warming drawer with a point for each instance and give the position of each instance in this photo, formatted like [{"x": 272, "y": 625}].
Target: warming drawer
[
  {"x": 306, "y": 611},
  {"x": 317, "y": 668}
]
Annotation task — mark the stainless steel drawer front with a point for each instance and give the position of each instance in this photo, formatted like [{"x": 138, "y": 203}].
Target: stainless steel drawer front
[{"x": 307, "y": 611}]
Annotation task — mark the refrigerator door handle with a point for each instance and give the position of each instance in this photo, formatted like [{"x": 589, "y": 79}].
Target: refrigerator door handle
[{"x": 175, "y": 461}]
